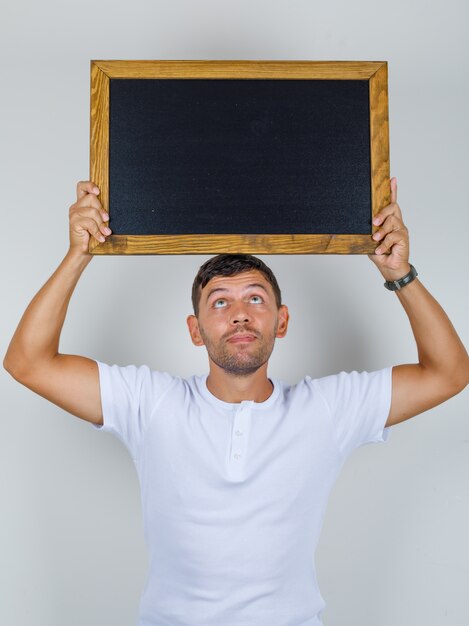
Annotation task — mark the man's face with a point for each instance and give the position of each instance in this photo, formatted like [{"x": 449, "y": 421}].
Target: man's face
[{"x": 238, "y": 322}]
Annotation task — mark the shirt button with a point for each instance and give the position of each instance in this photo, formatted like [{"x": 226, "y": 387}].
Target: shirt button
[
  {"x": 237, "y": 456},
  {"x": 239, "y": 432}
]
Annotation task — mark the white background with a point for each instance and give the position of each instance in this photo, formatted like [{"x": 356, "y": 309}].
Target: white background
[{"x": 394, "y": 549}]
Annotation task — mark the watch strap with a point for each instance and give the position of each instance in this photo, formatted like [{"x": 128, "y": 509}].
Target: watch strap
[{"x": 395, "y": 285}]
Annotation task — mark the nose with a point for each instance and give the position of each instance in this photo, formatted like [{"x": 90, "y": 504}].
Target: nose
[{"x": 240, "y": 314}]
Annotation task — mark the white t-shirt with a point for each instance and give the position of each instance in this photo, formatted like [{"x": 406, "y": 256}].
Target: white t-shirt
[{"x": 234, "y": 494}]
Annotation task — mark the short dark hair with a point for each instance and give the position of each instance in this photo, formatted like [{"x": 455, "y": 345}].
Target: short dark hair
[{"x": 230, "y": 265}]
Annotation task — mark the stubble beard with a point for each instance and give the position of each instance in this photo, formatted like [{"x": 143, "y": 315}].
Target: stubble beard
[{"x": 244, "y": 360}]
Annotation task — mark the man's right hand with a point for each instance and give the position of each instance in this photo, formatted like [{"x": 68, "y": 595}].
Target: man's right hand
[{"x": 87, "y": 218}]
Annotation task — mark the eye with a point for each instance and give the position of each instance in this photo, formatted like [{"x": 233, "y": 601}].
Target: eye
[
  {"x": 261, "y": 300},
  {"x": 217, "y": 301}
]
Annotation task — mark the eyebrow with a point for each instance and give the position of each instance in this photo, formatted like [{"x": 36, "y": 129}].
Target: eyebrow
[{"x": 245, "y": 289}]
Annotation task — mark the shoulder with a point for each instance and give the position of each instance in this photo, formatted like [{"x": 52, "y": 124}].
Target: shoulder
[
  {"x": 136, "y": 378},
  {"x": 348, "y": 378},
  {"x": 351, "y": 384}
]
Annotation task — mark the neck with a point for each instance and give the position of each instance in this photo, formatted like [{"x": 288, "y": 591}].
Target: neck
[{"x": 232, "y": 388}]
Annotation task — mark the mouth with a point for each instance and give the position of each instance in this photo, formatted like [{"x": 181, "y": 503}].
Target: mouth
[{"x": 238, "y": 338}]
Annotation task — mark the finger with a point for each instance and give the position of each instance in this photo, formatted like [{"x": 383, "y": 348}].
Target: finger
[
  {"x": 87, "y": 201},
  {"x": 394, "y": 190},
  {"x": 395, "y": 238},
  {"x": 98, "y": 216},
  {"x": 80, "y": 224},
  {"x": 86, "y": 186},
  {"x": 80, "y": 214},
  {"x": 390, "y": 209},
  {"x": 391, "y": 223}
]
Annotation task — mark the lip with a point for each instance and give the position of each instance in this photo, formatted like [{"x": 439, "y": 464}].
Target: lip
[{"x": 241, "y": 338}]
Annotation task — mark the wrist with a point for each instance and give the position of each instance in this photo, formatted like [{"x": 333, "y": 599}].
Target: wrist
[
  {"x": 396, "y": 274},
  {"x": 399, "y": 283},
  {"x": 77, "y": 258}
]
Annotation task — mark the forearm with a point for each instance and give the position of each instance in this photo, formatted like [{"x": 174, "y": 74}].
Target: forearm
[
  {"x": 438, "y": 345},
  {"x": 37, "y": 336}
]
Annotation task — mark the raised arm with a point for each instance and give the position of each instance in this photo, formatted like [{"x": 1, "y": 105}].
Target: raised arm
[
  {"x": 33, "y": 358},
  {"x": 443, "y": 367}
]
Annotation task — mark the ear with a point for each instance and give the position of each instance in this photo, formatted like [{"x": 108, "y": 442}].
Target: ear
[
  {"x": 283, "y": 318},
  {"x": 193, "y": 325}
]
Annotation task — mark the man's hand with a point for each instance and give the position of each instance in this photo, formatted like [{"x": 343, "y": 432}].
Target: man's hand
[
  {"x": 392, "y": 254},
  {"x": 87, "y": 218}
]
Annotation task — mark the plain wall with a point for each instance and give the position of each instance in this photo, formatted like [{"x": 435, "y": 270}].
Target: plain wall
[{"x": 394, "y": 547}]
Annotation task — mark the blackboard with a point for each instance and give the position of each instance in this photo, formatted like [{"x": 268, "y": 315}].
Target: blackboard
[{"x": 259, "y": 157}]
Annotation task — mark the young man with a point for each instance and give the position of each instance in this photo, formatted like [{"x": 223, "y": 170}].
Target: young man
[{"x": 236, "y": 468}]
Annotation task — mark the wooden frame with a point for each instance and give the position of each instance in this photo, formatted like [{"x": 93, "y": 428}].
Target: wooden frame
[{"x": 374, "y": 72}]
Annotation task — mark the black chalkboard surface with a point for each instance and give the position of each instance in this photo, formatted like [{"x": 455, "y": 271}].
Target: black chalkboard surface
[{"x": 285, "y": 162}]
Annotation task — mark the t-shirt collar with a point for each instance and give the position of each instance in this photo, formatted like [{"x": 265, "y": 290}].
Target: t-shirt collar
[{"x": 231, "y": 405}]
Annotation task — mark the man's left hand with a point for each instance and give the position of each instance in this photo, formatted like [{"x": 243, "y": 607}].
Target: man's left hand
[{"x": 392, "y": 250}]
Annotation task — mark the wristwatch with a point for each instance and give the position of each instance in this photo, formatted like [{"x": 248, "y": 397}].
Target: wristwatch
[{"x": 395, "y": 285}]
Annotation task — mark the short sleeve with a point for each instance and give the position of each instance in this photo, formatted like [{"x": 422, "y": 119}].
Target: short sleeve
[
  {"x": 129, "y": 396},
  {"x": 359, "y": 403}
]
